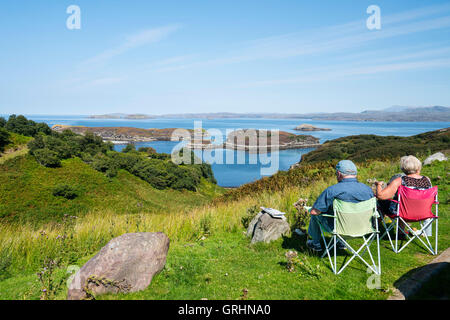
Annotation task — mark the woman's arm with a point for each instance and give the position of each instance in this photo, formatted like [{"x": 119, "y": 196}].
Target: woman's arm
[{"x": 389, "y": 191}]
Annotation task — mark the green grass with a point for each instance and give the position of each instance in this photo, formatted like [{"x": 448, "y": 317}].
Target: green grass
[
  {"x": 26, "y": 192},
  {"x": 16, "y": 147},
  {"x": 221, "y": 267},
  {"x": 222, "y": 264},
  {"x": 17, "y": 140}
]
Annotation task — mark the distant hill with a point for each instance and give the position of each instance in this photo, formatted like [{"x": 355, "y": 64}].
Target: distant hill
[
  {"x": 120, "y": 116},
  {"x": 394, "y": 113}
]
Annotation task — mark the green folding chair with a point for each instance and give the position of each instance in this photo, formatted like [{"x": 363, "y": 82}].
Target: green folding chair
[{"x": 354, "y": 220}]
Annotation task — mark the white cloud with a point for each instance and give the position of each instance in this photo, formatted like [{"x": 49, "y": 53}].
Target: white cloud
[
  {"x": 134, "y": 41},
  {"x": 347, "y": 71},
  {"x": 324, "y": 40},
  {"x": 105, "y": 81}
]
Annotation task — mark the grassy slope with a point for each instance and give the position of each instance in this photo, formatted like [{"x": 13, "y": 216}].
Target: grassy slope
[
  {"x": 361, "y": 148},
  {"x": 16, "y": 147},
  {"x": 26, "y": 192},
  {"x": 223, "y": 264},
  {"x": 261, "y": 268}
]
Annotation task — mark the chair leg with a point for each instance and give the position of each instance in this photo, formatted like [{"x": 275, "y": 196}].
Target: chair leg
[
  {"x": 378, "y": 251},
  {"x": 357, "y": 254},
  {"x": 327, "y": 250},
  {"x": 335, "y": 268},
  {"x": 416, "y": 236},
  {"x": 387, "y": 230},
  {"x": 436, "y": 236},
  {"x": 396, "y": 236},
  {"x": 370, "y": 254}
]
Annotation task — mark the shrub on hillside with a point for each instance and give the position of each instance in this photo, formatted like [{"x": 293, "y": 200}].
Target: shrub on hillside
[
  {"x": 36, "y": 144},
  {"x": 147, "y": 150},
  {"x": 129, "y": 148},
  {"x": 160, "y": 156},
  {"x": 103, "y": 163},
  {"x": 4, "y": 138},
  {"x": 65, "y": 191},
  {"x": 364, "y": 147},
  {"x": 68, "y": 144},
  {"x": 250, "y": 214},
  {"x": 21, "y": 125},
  {"x": 47, "y": 158},
  {"x": 2, "y": 122}
]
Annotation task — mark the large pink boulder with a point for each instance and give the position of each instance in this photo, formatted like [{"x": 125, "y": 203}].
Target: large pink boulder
[{"x": 126, "y": 264}]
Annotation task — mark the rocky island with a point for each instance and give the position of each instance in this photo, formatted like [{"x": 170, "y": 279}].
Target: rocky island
[
  {"x": 258, "y": 141},
  {"x": 309, "y": 127},
  {"x": 120, "y": 135}
]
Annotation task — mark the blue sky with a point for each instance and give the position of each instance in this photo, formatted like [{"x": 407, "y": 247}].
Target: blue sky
[{"x": 159, "y": 57}]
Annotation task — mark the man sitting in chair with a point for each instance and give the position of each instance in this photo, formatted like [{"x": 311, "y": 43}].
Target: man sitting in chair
[{"x": 347, "y": 189}]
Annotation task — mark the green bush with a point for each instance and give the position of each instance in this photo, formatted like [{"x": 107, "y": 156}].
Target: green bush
[
  {"x": 21, "y": 125},
  {"x": 47, "y": 158},
  {"x": 103, "y": 163},
  {"x": 147, "y": 150},
  {"x": 65, "y": 191},
  {"x": 4, "y": 138},
  {"x": 2, "y": 122},
  {"x": 130, "y": 147},
  {"x": 250, "y": 214},
  {"x": 161, "y": 156},
  {"x": 36, "y": 144}
]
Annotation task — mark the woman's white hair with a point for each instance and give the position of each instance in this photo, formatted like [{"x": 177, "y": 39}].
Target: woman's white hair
[{"x": 410, "y": 164}]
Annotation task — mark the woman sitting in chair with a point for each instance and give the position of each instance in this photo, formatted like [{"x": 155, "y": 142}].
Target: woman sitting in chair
[{"x": 411, "y": 167}]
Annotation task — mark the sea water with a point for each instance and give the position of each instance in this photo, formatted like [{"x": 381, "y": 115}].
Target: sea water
[{"x": 233, "y": 174}]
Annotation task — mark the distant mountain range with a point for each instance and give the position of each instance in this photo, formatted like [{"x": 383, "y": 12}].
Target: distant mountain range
[{"x": 394, "y": 113}]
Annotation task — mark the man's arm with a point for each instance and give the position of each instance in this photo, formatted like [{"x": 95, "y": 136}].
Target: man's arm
[{"x": 323, "y": 203}]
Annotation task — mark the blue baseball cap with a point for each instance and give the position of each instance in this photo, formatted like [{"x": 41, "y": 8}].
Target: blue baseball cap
[{"x": 347, "y": 167}]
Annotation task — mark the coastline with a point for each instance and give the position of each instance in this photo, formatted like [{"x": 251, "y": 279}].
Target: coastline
[{"x": 259, "y": 143}]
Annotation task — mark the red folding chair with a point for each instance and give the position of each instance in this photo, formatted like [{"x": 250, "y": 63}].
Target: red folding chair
[{"x": 414, "y": 205}]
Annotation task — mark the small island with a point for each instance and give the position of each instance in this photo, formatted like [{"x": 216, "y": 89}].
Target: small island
[
  {"x": 309, "y": 127},
  {"x": 258, "y": 141},
  {"x": 121, "y": 135}
]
